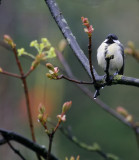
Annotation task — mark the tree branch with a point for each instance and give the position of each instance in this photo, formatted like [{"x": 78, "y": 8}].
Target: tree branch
[
  {"x": 23, "y": 78},
  {"x": 90, "y": 58},
  {"x": 16, "y": 151},
  {"x": 62, "y": 24},
  {"x": 100, "y": 102},
  {"x": 120, "y": 79},
  {"x": 9, "y": 135},
  {"x": 10, "y": 74},
  {"x": 92, "y": 148},
  {"x": 91, "y": 95},
  {"x": 72, "y": 80}
]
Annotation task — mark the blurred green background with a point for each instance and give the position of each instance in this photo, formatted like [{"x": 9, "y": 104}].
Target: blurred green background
[{"x": 28, "y": 20}]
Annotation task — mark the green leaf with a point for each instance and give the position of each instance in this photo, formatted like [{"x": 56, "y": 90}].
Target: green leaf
[{"x": 51, "y": 53}]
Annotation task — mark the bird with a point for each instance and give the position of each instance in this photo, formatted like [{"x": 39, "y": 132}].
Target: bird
[{"x": 111, "y": 48}]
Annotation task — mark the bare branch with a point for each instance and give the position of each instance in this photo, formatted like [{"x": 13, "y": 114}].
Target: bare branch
[
  {"x": 91, "y": 95},
  {"x": 120, "y": 79},
  {"x": 62, "y": 24},
  {"x": 72, "y": 80},
  {"x": 23, "y": 78},
  {"x": 92, "y": 148},
  {"x": 2, "y": 141},
  {"x": 16, "y": 151},
  {"x": 9, "y": 135},
  {"x": 10, "y": 74},
  {"x": 100, "y": 102},
  {"x": 90, "y": 59}
]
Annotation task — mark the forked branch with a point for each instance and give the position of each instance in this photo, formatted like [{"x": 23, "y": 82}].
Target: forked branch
[
  {"x": 62, "y": 24},
  {"x": 12, "y": 136}
]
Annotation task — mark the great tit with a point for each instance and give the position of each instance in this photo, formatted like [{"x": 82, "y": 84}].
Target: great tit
[{"x": 111, "y": 47}]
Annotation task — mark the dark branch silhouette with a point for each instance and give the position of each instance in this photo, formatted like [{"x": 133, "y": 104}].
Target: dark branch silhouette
[
  {"x": 16, "y": 151},
  {"x": 12, "y": 136}
]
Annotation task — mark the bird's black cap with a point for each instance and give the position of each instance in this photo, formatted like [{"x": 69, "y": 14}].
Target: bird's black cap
[{"x": 110, "y": 38}]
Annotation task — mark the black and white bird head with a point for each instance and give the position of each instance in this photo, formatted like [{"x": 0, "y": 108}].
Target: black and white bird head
[
  {"x": 111, "y": 38},
  {"x": 111, "y": 46}
]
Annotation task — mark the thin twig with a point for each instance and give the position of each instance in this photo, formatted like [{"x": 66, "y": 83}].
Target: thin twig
[
  {"x": 10, "y": 74},
  {"x": 28, "y": 73},
  {"x": 17, "y": 61},
  {"x": 97, "y": 93},
  {"x": 23, "y": 78},
  {"x": 16, "y": 151},
  {"x": 72, "y": 80},
  {"x": 90, "y": 58},
  {"x": 92, "y": 148},
  {"x": 9, "y": 135},
  {"x": 51, "y": 136}
]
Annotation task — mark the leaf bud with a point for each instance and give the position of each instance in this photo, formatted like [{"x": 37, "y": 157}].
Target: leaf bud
[
  {"x": 9, "y": 40},
  {"x": 50, "y": 66},
  {"x": 66, "y": 106}
]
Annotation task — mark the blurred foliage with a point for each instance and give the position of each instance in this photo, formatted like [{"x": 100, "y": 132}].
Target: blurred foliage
[{"x": 25, "y": 21}]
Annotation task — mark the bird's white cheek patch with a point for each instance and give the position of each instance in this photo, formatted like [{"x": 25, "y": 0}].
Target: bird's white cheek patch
[{"x": 117, "y": 41}]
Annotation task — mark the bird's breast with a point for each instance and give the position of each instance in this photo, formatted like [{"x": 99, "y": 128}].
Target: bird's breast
[
  {"x": 107, "y": 50},
  {"x": 117, "y": 62}
]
